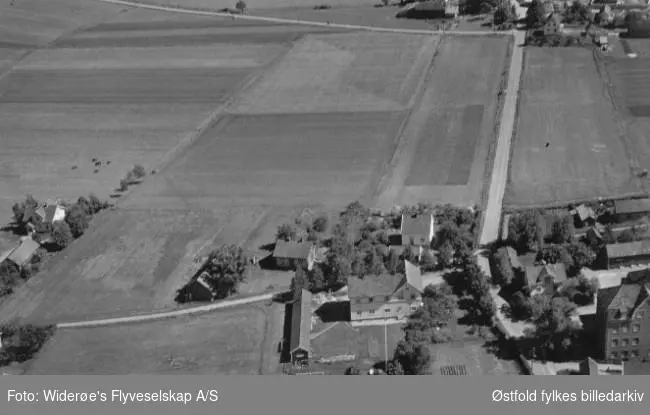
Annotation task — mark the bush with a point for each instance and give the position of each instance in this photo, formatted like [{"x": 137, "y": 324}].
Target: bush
[
  {"x": 61, "y": 234},
  {"x": 23, "y": 342},
  {"x": 77, "y": 218},
  {"x": 124, "y": 185},
  {"x": 138, "y": 171}
]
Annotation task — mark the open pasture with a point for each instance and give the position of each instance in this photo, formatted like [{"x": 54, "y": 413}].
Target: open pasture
[
  {"x": 630, "y": 84},
  {"x": 236, "y": 341},
  {"x": 278, "y": 160},
  {"x": 63, "y": 107},
  {"x": 354, "y": 72},
  {"x": 130, "y": 262},
  {"x": 570, "y": 143},
  {"x": 259, "y": 4},
  {"x": 443, "y": 153},
  {"x": 28, "y": 23}
]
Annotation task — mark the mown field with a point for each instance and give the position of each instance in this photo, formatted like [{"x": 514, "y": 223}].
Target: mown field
[
  {"x": 443, "y": 154},
  {"x": 239, "y": 341},
  {"x": 571, "y": 142},
  {"x": 130, "y": 101},
  {"x": 316, "y": 130},
  {"x": 258, "y": 4}
]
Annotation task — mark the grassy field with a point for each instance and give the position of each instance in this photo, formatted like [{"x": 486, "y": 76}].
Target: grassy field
[
  {"x": 474, "y": 356},
  {"x": 443, "y": 154},
  {"x": 237, "y": 341},
  {"x": 259, "y": 4},
  {"x": 278, "y": 160},
  {"x": 62, "y": 107},
  {"x": 590, "y": 153},
  {"x": 357, "y": 72},
  {"x": 129, "y": 263}
]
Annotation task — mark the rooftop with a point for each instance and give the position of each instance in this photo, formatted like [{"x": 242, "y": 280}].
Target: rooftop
[
  {"x": 413, "y": 275},
  {"x": 416, "y": 225},
  {"x": 374, "y": 285},
  {"x": 24, "y": 252},
  {"x": 294, "y": 250},
  {"x": 632, "y": 206},
  {"x": 628, "y": 249},
  {"x": 301, "y": 322},
  {"x": 536, "y": 273}
]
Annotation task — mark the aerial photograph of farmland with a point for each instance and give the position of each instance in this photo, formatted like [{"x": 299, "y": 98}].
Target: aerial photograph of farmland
[{"x": 352, "y": 187}]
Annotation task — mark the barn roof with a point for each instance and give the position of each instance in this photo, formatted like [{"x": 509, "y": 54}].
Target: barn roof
[
  {"x": 24, "y": 252},
  {"x": 301, "y": 322},
  {"x": 374, "y": 285},
  {"x": 632, "y": 206},
  {"x": 628, "y": 249},
  {"x": 284, "y": 249},
  {"x": 416, "y": 224}
]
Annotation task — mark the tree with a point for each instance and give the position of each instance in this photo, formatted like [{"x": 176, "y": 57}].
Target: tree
[
  {"x": 580, "y": 290},
  {"x": 626, "y": 236},
  {"x": 226, "y": 268},
  {"x": 524, "y": 230},
  {"x": 562, "y": 230},
  {"x": 299, "y": 281},
  {"x": 555, "y": 331},
  {"x": 241, "y": 6},
  {"x": 352, "y": 370},
  {"x": 578, "y": 12},
  {"x": 535, "y": 14},
  {"x": 427, "y": 262},
  {"x": 582, "y": 256},
  {"x": 61, "y": 234},
  {"x": 96, "y": 205},
  {"x": 138, "y": 172},
  {"x": 520, "y": 307},
  {"x": 392, "y": 261},
  {"x": 413, "y": 356},
  {"x": 503, "y": 272},
  {"x": 554, "y": 254},
  {"x": 287, "y": 232},
  {"x": 395, "y": 368},
  {"x": 320, "y": 223},
  {"x": 22, "y": 212},
  {"x": 26, "y": 341},
  {"x": 77, "y": 219},
  {"x": 446, "y": 255},
  {"x": 502, "y": 14},
  {"x": 124, "y": 185}
]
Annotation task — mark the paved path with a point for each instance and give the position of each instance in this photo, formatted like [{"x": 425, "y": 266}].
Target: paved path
[
  {"x": 298, "y": 22},
  {"x": 170, "y": 314},
  {"x": 492, "y": 214}
]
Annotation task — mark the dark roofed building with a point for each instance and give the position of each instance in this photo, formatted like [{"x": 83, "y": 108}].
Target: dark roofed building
[
  {"x": 417, "y": 230},
  {"x": 629, "y": 253},
  {"x": 545, "y": 278},
  {"x": 299, "y": 343},
  {"x": 22, "y": 255},
  {"x": 289, "y": 255},
  {"x": 631, "y": 209},
  {"x": 199, "y": 289},
  {"x": 623, "y": 319}
]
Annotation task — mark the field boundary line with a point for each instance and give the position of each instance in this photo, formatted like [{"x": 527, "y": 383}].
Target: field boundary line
[
  {"x": 219, "y": 114},
  {"x": 167, "y": 314},
  {"x": 209, "y": 12}
]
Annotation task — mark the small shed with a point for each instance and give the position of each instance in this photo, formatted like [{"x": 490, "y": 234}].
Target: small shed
[{"x": 199, "y": 289}]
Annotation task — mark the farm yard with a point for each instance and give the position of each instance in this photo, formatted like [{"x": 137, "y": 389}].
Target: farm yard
[
  {"x": 443, "y": 154},
  {"x": 237, "y": 341},
  {"x": 593, "y": 150},
  {"x": 130, "y": 262}
]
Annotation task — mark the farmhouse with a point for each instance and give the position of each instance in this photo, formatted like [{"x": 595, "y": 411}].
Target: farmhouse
[
  {"x": 48, "y": 214},
  {"x": 289, "y": 255},
  {"x": 623, "y": 319},
  {"x": 631, "y": 209},
  {"x": 584, "y": 216},
  {"x": 299, "y": 343},
  {"x": 545, "y": 278},
  {"x": 199, "y": 289},
  {"x": 417, "y": 230},
  {"x": 431, "y": 9},
  {"x": 553, "y": 25},
  {"x": 22, "y": 255},
  {"x": 385, "y": 297},
  {"x": 627, "y": 254}
]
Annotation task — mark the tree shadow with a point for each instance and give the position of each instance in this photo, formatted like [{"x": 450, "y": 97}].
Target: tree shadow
[
  {"x": 14, "y": 229},
  {"x": 269, "y": 264},
  {"x": 334, "y": 311},
  {"x": 502, "y": 348}
]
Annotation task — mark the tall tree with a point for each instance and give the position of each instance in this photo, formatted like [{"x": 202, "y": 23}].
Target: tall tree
[
  {"x": 524, "y": 230},
  {"x": 77, "y": 218},
  {"x": 555, "y": 331},
  {"x": 61, "y": 234},
  {"x": 413, "y": 356},
  {"x": 226, "y": 267},
  {"x": 536, "y": 13}
]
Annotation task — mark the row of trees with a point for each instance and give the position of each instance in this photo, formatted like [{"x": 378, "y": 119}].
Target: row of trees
[{"x": 22, "y": 342}]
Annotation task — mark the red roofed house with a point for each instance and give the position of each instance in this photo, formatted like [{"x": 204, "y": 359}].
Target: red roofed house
[
  {"x": 626, "y": 254},
  {"x": 545, "y": 278},
  {"x": 299, "y": 341},
  {"x": 623, "y": 318},
  {"x": 289, "y": 254},
  {"x": 380, "y": 297}
]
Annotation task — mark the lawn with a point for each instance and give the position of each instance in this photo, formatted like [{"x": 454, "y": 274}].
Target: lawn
[
  {"x": 444, "y": 151},
  {"x": 474, "y": 356},
  {"x": 129, "y": 263},
  {"x": 237, "y": 341},
  {"x": 357, "y": 72},
  {"x": 64, "y": 107},
  {"x": 571, "y": 144}
]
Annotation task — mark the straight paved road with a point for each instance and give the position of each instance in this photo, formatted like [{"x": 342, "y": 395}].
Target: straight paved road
[{"x": 492, "y": 213}]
